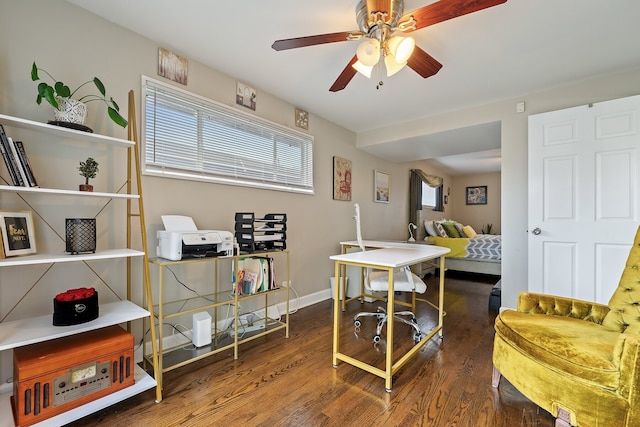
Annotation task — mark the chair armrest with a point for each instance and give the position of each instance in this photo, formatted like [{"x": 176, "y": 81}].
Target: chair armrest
[
  {"x": 628, "y": 350},
  {"x": 534, "y": 303}
]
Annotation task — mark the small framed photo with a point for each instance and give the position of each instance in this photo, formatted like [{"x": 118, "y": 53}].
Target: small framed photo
[
  {"x": 477, "y": 195},
  {"x": 18, "y": 235},
  {"x": 381, "y": 188},
  {"x": 302, "y": 119}
]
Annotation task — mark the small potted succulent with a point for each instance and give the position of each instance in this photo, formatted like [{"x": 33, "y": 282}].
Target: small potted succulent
[
  {"x": 88, "y": 169},
  {"x": 67, "y": 109}
]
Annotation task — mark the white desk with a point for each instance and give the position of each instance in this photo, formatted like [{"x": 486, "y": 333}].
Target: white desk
[{"x": 391, "y": 255}]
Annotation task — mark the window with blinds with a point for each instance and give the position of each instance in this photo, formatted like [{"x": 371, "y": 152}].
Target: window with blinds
[{"x": 187, "y": 136}]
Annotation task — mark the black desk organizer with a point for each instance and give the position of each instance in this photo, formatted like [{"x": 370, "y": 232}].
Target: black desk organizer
[{"x": 261, "y": 234}]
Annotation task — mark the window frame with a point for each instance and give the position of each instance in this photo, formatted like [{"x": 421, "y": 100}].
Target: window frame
[{"x": 227, "y": 164}]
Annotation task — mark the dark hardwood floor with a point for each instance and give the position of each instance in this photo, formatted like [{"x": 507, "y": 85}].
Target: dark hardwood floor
[{"x": 291, "y": 382}]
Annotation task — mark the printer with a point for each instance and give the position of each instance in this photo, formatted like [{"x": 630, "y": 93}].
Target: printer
[{"x": 181, "y": 239}]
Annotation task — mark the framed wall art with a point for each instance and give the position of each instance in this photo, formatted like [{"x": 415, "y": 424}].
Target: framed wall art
[
  {"x": 381, "y": 188},
  {"x": 341, "y": 179},
  {"x": 246, "y": 96},
  {"x": 302, "y": 119},
  {"x": 18, "y": 236},
  {"x": 173, "y": 67},
  {"x": 477, "y": 195}
]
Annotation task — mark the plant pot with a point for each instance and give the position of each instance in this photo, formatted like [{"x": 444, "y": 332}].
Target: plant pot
[
  {"x": 85, "y": 187},
  {"x": 70, "y": 110}
]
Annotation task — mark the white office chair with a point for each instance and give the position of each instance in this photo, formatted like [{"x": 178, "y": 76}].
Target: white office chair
[{"x": 378, "y": 280}]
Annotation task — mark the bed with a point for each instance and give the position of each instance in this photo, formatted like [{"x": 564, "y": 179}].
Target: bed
[{"x": 480, "y": 254}]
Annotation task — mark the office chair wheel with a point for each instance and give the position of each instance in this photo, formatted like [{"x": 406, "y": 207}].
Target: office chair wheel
[
  {"x": 377, "y": 339},
  {"x": 357, "y": 323},
  {"x": 417, "y": 337}
]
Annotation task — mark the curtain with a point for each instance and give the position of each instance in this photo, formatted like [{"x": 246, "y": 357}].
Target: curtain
[{"x": 416, "y": 178}]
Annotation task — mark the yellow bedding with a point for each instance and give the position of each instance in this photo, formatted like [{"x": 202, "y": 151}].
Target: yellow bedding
[{"x": 457, "y": 245}]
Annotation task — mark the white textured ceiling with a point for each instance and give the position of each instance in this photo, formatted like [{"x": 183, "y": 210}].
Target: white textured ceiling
[{"x": 503, "y": 52}]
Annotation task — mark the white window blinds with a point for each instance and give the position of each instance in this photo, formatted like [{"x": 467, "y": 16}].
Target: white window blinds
[{"x": 190, "y": 137}]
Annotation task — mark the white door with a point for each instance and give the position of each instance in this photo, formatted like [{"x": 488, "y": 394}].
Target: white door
[{"x": 583, "y": 197}]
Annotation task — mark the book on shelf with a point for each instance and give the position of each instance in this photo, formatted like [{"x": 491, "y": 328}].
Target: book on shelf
[
  {"x": 255, "y": 274},
  {"x": 9, "y": 160},
  {"x": 26, "y": 165},
  {"x": 19, "y": 168}
]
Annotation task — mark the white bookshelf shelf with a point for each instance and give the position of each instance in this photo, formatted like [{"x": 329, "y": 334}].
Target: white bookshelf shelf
[
  {"x": 62, "y": 131},
  {"x": 51, "y": 258},
  {"x": 74, "y": 193},
  {"x": 37, "y": 329}
]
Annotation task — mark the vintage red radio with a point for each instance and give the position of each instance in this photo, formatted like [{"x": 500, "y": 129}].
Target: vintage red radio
[{"x": 54, "y": 376}]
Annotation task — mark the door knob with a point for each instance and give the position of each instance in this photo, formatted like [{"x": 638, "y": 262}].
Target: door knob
[{"x": 536, "y": 231}]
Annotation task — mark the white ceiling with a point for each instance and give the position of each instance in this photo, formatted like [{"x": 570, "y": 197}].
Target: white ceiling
[{"x": 507, "y": 51}]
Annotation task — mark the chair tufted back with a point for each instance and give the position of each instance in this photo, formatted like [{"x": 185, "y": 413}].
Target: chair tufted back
[{"x": 624, "y": 314}]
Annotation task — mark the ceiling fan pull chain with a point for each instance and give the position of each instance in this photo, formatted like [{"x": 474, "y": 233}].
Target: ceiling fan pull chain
[{"x": 380, "y": 83}]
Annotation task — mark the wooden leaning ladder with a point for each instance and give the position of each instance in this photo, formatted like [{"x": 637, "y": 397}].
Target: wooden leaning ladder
[{"x": 133, "y": 157}]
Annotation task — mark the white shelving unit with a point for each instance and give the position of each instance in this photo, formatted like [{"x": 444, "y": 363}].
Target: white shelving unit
[{"x": 23, "y": 332}]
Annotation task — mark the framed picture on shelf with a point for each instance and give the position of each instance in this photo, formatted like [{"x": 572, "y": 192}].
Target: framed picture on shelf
[
  {"x": 477, "y": 195},
  {"x": 18, "y": 235},
  {"x": 381, "y": 188}
]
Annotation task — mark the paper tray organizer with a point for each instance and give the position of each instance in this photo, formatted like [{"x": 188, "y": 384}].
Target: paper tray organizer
[{"x": 261, "y": 234}]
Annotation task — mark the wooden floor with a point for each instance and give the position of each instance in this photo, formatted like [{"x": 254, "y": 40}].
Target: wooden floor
[{"x": 291, "y": 382}]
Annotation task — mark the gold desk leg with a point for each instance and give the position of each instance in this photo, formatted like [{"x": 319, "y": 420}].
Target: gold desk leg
[
  {"x": 336, "y": 315},
  {"x": 441, "y": 298},
  {"x": 343, "y": 272},
  {"x": 389, "y": 355}
]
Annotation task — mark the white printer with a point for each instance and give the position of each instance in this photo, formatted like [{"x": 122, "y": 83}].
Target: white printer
[{"x": 181, "y": 239}]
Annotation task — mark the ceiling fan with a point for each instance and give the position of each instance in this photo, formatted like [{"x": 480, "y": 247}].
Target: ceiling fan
[{"x": 381, "y": 22}]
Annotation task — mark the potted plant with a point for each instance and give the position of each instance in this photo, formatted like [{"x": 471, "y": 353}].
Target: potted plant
[
  {"x": 88, "y": 169},
  {"x": 486, "y": 229},
  {"x": 60, "y": 97}
]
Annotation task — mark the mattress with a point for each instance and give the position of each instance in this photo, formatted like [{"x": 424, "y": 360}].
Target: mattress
[{"x": 481, "y": 247}]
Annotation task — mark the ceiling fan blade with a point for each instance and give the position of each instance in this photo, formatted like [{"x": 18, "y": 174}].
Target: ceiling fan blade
[
  {"x": 423, "y": 63},
  {"x": 315, "y": 40},
  {"x": 345, "y": 77},
  {"x": 446, "y": 9}
]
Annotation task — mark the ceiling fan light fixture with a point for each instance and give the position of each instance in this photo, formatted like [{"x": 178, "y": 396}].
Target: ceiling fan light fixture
[
  {"x": 369, "y": 52},
  {"x": 363, "y": 69},
  {"x": 401, "y": 48},
  {"x": 392, "y": 65}
]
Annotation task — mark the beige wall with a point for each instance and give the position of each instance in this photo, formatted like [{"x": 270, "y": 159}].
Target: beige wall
[
  {"x": 478, "y": 216},
  {"x": 75, "y": 45}
]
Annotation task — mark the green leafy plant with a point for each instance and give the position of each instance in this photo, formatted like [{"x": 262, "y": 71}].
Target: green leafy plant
[
  {"x": 48, "y": 92},
  {"x": 486, "y": 229},
  {"x": 88, "y": 169}
]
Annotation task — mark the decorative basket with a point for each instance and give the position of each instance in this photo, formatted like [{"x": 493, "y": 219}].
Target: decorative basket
[
  {"x": 75, "y": 306},
  {"x": 80, "y": 235}
]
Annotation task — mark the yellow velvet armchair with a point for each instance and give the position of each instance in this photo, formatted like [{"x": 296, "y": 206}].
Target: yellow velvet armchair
[{"x": 578, "y": 360}]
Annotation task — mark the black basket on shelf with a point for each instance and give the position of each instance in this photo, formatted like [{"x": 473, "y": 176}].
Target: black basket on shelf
[{"x": 80, "y": 235}]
